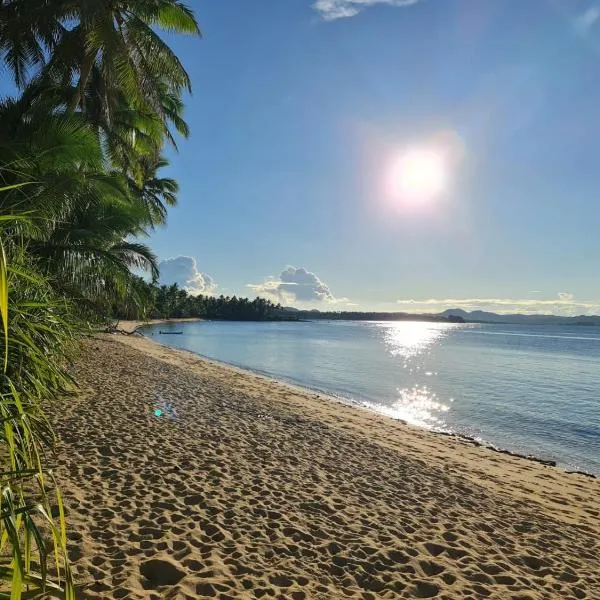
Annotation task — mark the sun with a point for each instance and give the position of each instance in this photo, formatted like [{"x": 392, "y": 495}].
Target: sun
[{"x": 420, "y": 174}]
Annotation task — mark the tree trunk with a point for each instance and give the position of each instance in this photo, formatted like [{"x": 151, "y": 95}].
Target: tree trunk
[{"x": 86, "y": 69}]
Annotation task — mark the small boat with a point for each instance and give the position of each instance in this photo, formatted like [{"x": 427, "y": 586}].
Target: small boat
[{"x": 170, "y": 332}]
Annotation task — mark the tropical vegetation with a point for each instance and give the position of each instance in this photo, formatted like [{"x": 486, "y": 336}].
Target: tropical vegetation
[
  {"x": 98, "y": 95},
  {"x": 154, "y": 301},
  {"x": 171, "y": 301}
]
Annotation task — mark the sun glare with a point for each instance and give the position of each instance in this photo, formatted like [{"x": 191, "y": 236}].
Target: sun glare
[{"x": 420, "y": 174}]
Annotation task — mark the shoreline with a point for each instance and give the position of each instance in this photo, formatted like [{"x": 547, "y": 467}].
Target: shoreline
[
  {"x": 131, "y": 326},
  {"x": 317, "y": 399},
  {"x": 246, "y": 487},
  {"x": 329, "y": 397}
]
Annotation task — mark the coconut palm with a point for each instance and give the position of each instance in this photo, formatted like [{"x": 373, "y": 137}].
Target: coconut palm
[
  {"x": 82, "y": 218},
  {"x": 89, "y": 255},
  {"x": 155, "y": 193},
  {"x": 112, "y": 51},
  {"x": 29, "y": 30}
]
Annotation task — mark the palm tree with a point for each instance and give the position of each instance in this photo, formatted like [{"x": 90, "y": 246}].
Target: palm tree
[
  {"x": 82, "y": 219},
  {"x": 29, "y": 30},
  {"x": 89, "y": 256},
  {"x": 155, "y": 193},
  {"x": 111, "y": 52}
]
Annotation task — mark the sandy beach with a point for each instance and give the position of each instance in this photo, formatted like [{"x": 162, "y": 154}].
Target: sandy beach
[
  {"x": 132, "y": 326},
  {"x": 184, "y": 478}
]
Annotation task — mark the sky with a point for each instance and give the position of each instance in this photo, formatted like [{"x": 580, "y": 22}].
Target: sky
[
  {"x": 300, "y": 110},
  {"x": 303, "y": 110}
]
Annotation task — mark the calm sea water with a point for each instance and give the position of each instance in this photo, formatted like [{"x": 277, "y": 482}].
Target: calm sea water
[{"x": 531, "y": 389}]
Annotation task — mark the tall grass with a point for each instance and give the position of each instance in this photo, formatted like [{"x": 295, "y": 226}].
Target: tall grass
[{"x": 36, "y": 336}]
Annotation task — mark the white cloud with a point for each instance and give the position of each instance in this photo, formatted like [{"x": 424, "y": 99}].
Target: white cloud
[
  {"x": 296, "y": 284},
  {"x": 339, "y": 9},
  {"x": 564, "y": 304},
  {"x": 587, "y": 19},
  {"x": 183, "y": 271}
]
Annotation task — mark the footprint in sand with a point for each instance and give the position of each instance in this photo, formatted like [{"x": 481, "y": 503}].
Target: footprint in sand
[{"x": 158, "y": 572}]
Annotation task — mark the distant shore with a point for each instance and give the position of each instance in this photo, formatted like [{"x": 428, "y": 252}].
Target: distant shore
[{"x": 185, "y": 478}]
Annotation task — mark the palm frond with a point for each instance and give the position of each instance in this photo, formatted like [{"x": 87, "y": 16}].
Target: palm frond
[{"x": 171, "y": 16}]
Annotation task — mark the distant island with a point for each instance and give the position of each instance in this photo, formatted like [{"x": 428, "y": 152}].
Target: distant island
[
  {"x": 452, "y": 315},
  {"x": 480, "y": 316}
]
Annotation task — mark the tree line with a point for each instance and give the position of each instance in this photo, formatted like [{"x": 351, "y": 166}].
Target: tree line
[
  {"x": 170, "y": 301},
  {"x": 98, "y": 95},
  {"x": 370, "y": 316},
  {"x": 154, "y": 301}
]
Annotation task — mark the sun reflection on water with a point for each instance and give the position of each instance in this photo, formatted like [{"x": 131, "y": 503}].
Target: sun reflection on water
[
  {"x": 412, "y": 338},
  {"x": 412, "y": 342}
]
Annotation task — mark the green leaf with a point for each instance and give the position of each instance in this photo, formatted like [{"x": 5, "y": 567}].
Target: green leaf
[{"x": 4, "y": 302}]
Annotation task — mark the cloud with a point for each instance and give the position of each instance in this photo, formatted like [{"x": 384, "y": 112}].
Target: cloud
[
  {"x": 564, "y": 304},
  {"x": 183, "y": 271},
  {"x": 296, "y": 284},
  {"x": 565, "y": 296},
  {"x": 586, "y": 20},
  {"x": 340, "y": 9}
]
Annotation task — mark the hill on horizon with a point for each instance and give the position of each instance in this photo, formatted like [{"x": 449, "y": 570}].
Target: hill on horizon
[
  {"x": 481, "y": 316},
  {"x": 475, "y": 316}
]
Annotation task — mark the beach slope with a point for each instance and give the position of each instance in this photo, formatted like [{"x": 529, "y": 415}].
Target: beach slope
[{"x": 185, "y": 478}]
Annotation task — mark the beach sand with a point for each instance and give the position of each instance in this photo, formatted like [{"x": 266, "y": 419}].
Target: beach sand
[
  {"x": 131, "y": 326},
  {"x": 245, "y": 487}
]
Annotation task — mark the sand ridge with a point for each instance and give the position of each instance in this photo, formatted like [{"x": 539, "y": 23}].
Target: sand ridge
[{"x": 245, "y": 487}]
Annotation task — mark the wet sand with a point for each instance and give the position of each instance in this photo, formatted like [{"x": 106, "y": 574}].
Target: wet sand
[{"x": 245, "y": 487}]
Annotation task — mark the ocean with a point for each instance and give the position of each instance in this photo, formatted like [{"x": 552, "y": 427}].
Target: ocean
[{"x": 529, "y": 389}]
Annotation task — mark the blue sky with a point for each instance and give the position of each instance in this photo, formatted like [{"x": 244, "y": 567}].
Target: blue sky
[{"x": 299, "y": 108}]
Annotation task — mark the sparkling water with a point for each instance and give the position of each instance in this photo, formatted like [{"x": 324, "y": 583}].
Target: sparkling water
[{"x": 530, "y": 389}]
